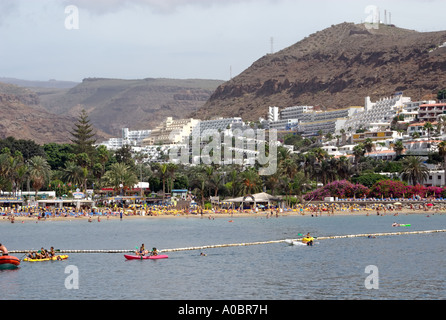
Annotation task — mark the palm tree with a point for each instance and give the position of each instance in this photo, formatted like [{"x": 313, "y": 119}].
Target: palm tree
[
  {"x": 414, "y": 170},
  {"x": 299, "y": 184},
  {"x": 73, "y": 173},
  {"x": 250, "y": 182},
  {"x": 197, "y": 180},
  {"x": 214, "y": 179},
  {"x": 429, "y": 127},
  {"x": 358, "y": 152},
  {"x": 171, "y": 170},
  {"x": 39, "y": 172},
  {"x": 161, "y": 170},
  {"x": 233, "y": 185},
  {"x": 344, "y": 167},
  {"x": 398, "y": 147},
  {"x": 272, "y": 182},
  {"x": 120, "y": 175},
  {"x": 416, "y": 135},
  {"x": 368, "y": 145},
  {"x": 442, "y": 153}
]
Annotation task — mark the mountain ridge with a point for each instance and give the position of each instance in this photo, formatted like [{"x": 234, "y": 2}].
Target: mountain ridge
[
  {"x": 111, "y": 104},
  {"x": 336, "y": 68}
]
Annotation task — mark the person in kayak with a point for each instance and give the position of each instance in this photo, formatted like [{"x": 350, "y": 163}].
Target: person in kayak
[
  {"x": 52, "y": 253},
  {"x": 3, "y": 250},
  {"x": 43, "y": 254},
  {"x": 142, "y": 251},
  {"x": 154, "y": 252},
  {"x": 32, "y": 255},
  {"x": 308, "y": 240}
]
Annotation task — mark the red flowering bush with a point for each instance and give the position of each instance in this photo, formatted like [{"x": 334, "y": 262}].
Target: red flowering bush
[
  {"x": 390, "y": 189},
  {"x": 341, "y": 189}
]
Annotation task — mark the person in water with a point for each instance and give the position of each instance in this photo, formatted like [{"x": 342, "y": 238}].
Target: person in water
[{"x": 3, "y": 250}]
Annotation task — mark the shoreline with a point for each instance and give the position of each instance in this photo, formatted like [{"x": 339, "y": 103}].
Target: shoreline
[{"x": 211, "y": 216}]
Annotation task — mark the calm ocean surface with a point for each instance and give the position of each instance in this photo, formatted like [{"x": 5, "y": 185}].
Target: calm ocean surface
[{"x": 410, "y": 266}]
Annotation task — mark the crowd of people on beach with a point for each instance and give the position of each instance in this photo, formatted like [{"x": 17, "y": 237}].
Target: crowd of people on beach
[{"x": 313, "y": 209}]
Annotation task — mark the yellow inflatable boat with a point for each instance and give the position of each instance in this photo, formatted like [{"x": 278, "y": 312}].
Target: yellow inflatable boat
[{"x": 59, "y": 257}]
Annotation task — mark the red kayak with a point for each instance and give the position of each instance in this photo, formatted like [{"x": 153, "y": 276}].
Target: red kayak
[
  {"x": 9, "y": 262},
  {"x": 134, "y": 257}
]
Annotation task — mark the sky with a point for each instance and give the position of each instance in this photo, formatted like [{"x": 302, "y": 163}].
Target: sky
[{"x": 183, "y": 39}]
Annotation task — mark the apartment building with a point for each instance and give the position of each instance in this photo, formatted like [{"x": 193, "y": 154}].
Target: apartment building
[
  {"x": 375, "y": 135},
  {"x": 133, "y": 138},
  {"x": 171, "y": 131},
  {"x": 382, "y": 111},
  {"x": 431, "y": 112},
  {"x": 218, "y": 125}
]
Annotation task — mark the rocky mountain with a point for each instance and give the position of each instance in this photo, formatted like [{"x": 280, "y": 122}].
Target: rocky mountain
[
  {"x": 336, "y": 68},
  {"x": 23, "y": 118},
  {"x": 46, "y": 111},
  {"x": 113, "y": 104},
  {"x": 39, "y": 84}
]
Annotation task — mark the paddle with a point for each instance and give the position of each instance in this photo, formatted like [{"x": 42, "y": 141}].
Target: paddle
[
  {"x": 23, "y": 257},
  {"x": 137, "y": 248}
]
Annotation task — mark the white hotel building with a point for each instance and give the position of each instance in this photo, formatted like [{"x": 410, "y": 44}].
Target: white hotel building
[
  {"x": 130, "y": 138},
  {"x": 307, "y": 121},
  {"x": 382, "y": 111}
]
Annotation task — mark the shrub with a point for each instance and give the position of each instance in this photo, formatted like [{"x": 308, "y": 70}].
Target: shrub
[
  {"x": 340, "y": 189},
  {"x": 390, "y": 189}
]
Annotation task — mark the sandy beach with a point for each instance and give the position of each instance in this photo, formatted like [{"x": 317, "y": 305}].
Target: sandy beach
[{"x": 217, "y": 215}]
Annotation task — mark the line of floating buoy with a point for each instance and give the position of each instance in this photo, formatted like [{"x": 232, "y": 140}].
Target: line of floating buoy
[
  {"x": 249, "y": 243},
  {"x": 79, "y": 251},
  {"x": 381, "y": 234}
]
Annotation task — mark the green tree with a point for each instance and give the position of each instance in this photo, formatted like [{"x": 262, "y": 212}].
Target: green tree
[
  {"x": 358, "y": 152},
  {"x": 250, "y": 182},
  {"x": 398, "y": 147},
  {"x": 73, "y": 174},
  {"x": 27, "y": 148},
  {"x": 124, "y": 155},
  {"x": 119, "y": 175},
  {"x": 442, "y": 152},
  {"x": 368, "y": 179},
  {"x": 39, "y": 172},
  {"x": 58, "y": 155},
  {"x": 197, "y": 179},
  {"x": 429, "y": 127},
  {"x": 83, "y": 135},
  {"x": 368, "y": 145},
  {"x": 162, "y": 172},
  {"x": 441, "y": 95},
  {"x": 414, "y": 170}
]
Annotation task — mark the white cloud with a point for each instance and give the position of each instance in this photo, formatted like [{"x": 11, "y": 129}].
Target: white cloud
[{"x": 158, "y": 6}]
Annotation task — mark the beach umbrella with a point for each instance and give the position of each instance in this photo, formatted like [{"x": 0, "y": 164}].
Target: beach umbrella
[
  {"x": 398, "y": 203},
  {"x": 429, "y": 204}
]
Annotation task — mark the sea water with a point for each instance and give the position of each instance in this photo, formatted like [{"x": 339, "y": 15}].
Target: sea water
[{"x": 405, "y": 266}]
